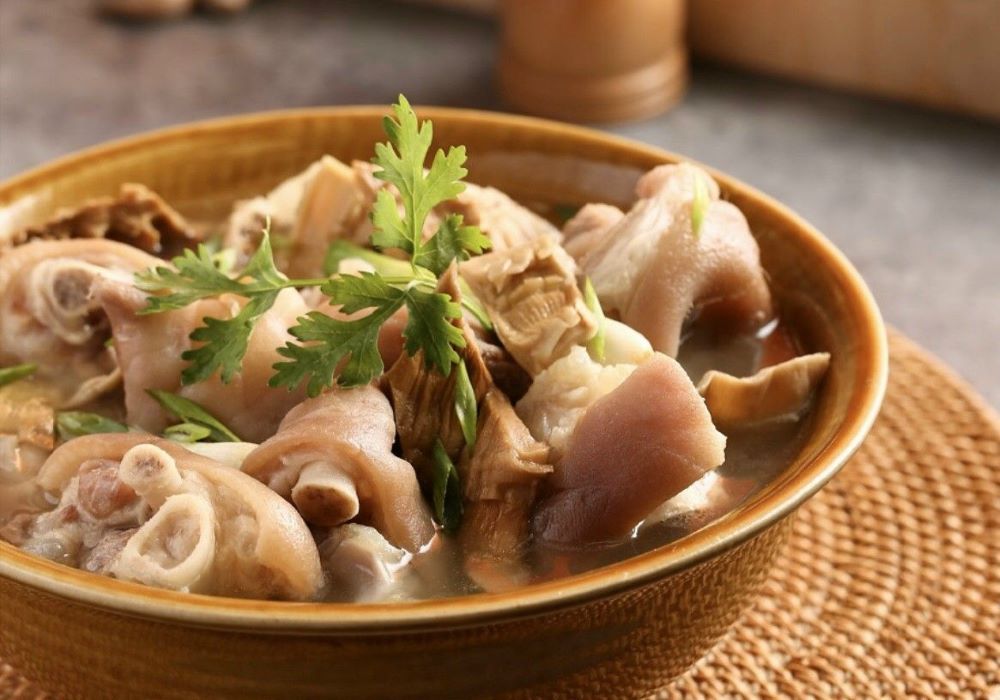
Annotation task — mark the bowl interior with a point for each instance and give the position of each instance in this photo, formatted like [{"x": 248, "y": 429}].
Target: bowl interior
[{"x": 202, "y": 168}]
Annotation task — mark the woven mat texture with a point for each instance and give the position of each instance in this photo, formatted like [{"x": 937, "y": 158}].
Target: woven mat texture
[{"x": 890, "y": 585}]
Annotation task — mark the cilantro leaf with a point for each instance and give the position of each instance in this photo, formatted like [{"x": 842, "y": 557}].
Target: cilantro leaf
[
  {"x": 394, "y": 267},
  {"x": 390, "y": 229},
  {"x": 446, "y": 492},
  {"x": 197, "y": 275},
  {"x": 365, "y": 290},
  {"x": 17, "y": 372},
  {"x": 401, "y": 163},
  {"x": 190, "y": 412},
  {"x": 262, "y": 269},
  {"x": 430, "y": 328},
  {"x": 224, "y": 342},
  {"x": 347, "y": 348},
  {"x": 328, "y": 342},
  {"x": 202, "y": 274},
  {"x": 453, "y": 241}
]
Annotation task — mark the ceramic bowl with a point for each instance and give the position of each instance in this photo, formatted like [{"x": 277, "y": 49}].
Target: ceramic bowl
[{"x": 619, "y": 631}]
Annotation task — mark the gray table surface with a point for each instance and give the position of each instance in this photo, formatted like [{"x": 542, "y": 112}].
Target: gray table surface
[{"x": 912, "y": 197}]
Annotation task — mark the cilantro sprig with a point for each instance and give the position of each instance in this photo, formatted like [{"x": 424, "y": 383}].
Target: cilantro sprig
[
  {"x": 336, "y": 350},
  {"x": 202, "y": 274},
  {"x": 346, "y": 351},
  {"x": 327, "y": 350},
  {"x": 401, "y": 162}
]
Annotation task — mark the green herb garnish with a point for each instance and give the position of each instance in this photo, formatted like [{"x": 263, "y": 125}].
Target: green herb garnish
[
  {"x": 596, "y": 344},
  {"x": 17, "y": 372},
  {"x": 330, "y": 350},
  {"x": 447, "y": 492},
  {"x": 699, "y": 203},
  {"x": 198, "y": 275},
  {"x": 190, "y": 412},
  {"x": 402, "y": 164},
  {"x": 394, "y": 267},
  {"x": 71, "y": 424},
  {"x": 465, "y": 405},
  {"x": 187, "y": 433},
  {"x": 349, "y": 349}
]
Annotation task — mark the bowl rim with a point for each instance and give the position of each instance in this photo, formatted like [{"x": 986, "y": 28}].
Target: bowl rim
[{"x": 603, "y": 582}]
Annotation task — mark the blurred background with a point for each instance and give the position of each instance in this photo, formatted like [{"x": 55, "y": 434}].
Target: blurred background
[{"x": 881, "y": 129}]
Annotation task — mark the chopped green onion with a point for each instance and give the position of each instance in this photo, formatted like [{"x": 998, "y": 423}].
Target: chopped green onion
[
  {"x": 17, "y": 372},
  {"x": 596, "y": 344},
  {"x": 447, "y": 494},
  {"x": 699, "y": 203},
  {"x": 190, "y": 412},
  {"x": 187, "y": 432},
  {"x": 71, "y": 424},
  {"x": 465, "y": 405}
]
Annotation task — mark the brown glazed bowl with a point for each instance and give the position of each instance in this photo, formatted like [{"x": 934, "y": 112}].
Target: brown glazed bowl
[{"x": 619, "y": 631}]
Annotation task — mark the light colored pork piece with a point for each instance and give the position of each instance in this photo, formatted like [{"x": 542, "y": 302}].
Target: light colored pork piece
[
  {"x": 779, "y": 392},
  {"x": 49, "y": 316},
  {"x": 332, "y": 457},
  {"x": 633, "y": 449},
  {"x": 194, "y": 525},
  {"x": 325, "y": 202},
  {"x": 587, "y": 228},
  {"x": 653, "y": 271},
  {"x": 149, "y": 349},
  {"x": 531, "y": 295},
  {"x": 361, "y": 565},
  {"x": 561, "y": 394},
  {"x": 505, "y": 222}
]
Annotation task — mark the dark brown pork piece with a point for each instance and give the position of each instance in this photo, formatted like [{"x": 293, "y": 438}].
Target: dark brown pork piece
[
  {"x": 500, "y": 475},
  {"x": 137, "y": 216},
  {"x": 500, "y": 479}
]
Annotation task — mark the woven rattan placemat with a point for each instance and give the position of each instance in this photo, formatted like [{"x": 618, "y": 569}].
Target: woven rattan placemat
[{"x": 890, "y": 585}]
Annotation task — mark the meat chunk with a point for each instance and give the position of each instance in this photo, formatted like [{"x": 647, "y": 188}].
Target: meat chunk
[
  {"x": 325, "y": 202},
  {"x": 653, "y": 271},
  {"x": 423, "y": 399},
  {"x": 505, "y": 222},
  {"x": 561, "y": 394},
  {"x": 149, "y": 348},
  {"x": 137, "y": 216},
  {"x": 188, "y": 523},
  {"x": 633, "y": 449},
  {"x": 778, "y": 392},
  {"x": 49, "y": 316},
  {"x": 361, "y": 565},
  {"x": 531, "y": 295},
  {"x": 583, "y": 232},
  {"x": 500, "y": 477},
  {"x": 509, "y": 376},
  {"x": 332, "y": 457}
]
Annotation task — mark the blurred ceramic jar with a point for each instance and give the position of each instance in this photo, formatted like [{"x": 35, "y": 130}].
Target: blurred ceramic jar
[
  {"x": 592, "y": 60},
  {"x": 162, "y": 9}
]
